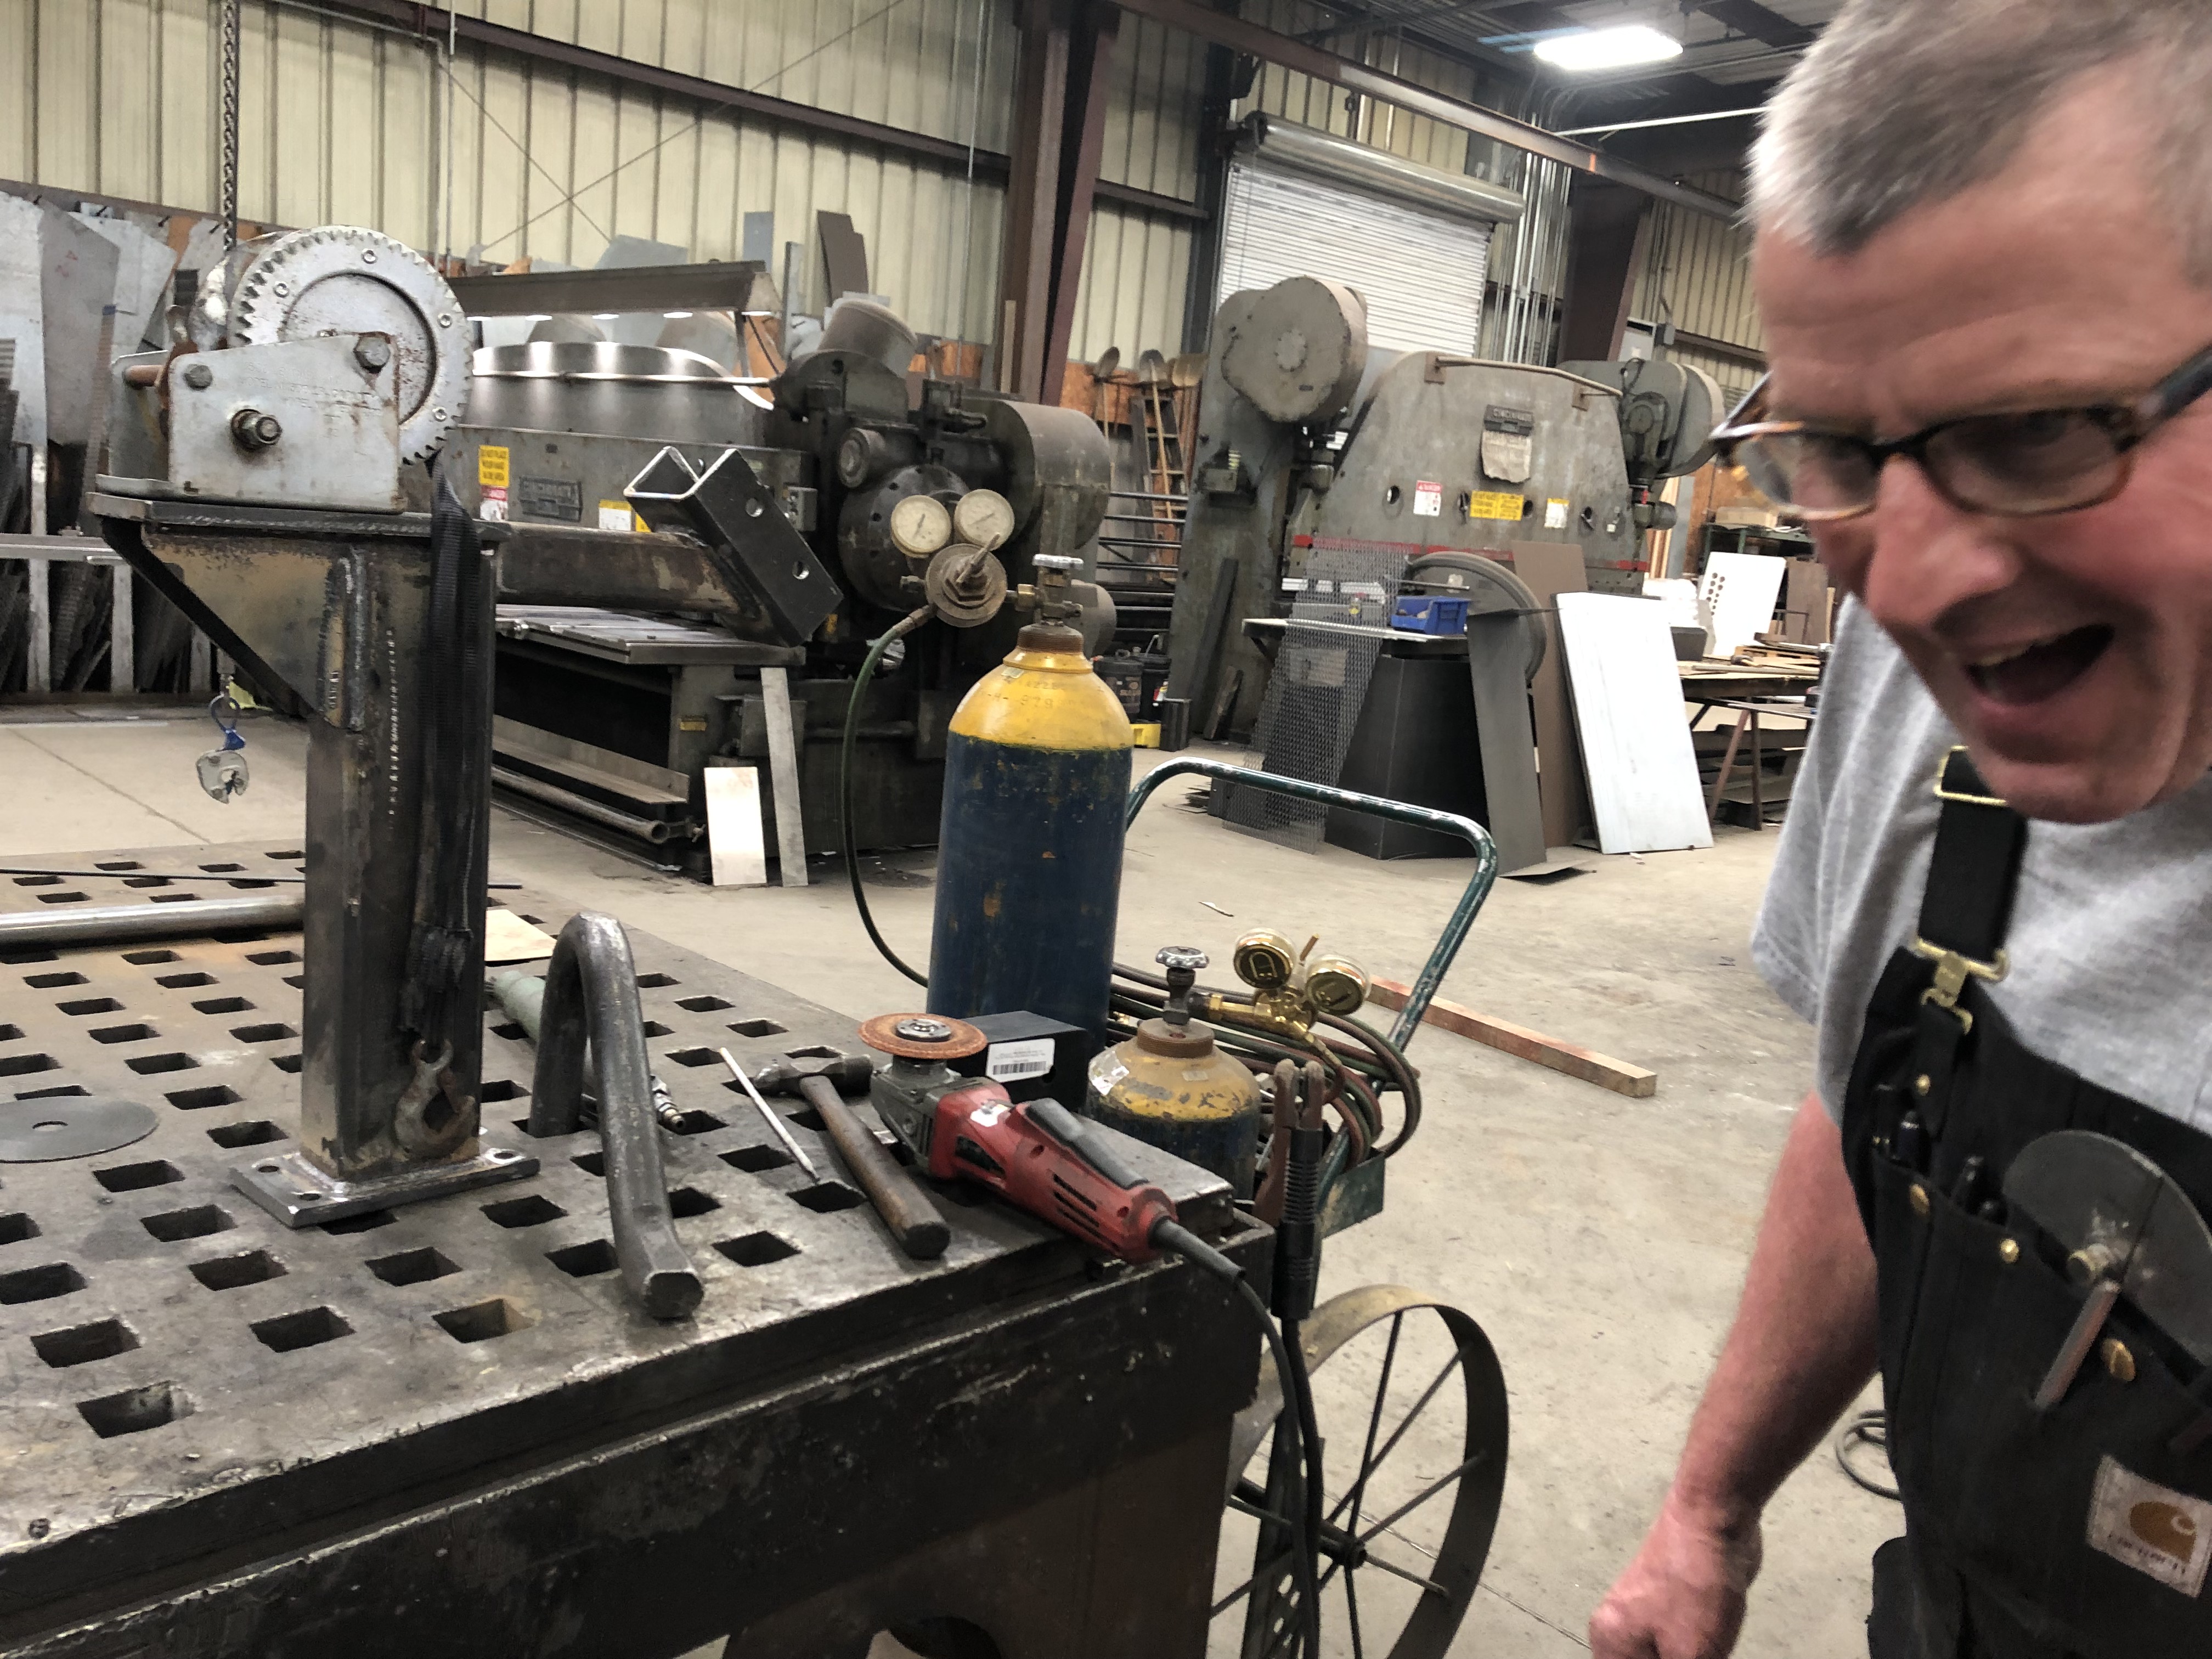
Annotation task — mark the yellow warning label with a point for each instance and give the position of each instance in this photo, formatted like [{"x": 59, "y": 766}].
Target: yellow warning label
[
  {"x": 491, "y": 467},
  {"x": 1496, "y": 504},
  {"x": 616, "y": 515},
  {"x": 691, "y": 723}
]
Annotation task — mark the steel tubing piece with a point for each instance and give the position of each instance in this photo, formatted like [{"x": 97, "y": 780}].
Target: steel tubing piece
[
  {"x": 591, "y": 996},
  {"x": 1428, "y": 818},
  {"x": 652, "y": 830},
  {"x": 120, "y": 924}
]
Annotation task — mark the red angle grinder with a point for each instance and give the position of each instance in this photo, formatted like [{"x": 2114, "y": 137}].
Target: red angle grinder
[{"x": 1036, "y": 1154}]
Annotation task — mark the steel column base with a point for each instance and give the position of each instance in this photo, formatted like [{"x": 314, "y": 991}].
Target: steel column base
[{"x": 299, "y": 1194}]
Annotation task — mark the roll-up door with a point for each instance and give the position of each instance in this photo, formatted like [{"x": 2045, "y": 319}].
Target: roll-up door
[{"x": 1420, "y": 267}]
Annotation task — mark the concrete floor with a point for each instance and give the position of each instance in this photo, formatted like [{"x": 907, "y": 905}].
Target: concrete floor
[{"x": 1599, "y": 1240}]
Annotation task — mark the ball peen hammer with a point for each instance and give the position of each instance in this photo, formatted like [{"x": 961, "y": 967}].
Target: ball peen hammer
[{"x": 823, "y": 1082}]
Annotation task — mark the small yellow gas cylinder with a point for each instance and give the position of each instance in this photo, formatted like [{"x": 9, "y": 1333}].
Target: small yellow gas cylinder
[{"x": 1172, "y": 1087}]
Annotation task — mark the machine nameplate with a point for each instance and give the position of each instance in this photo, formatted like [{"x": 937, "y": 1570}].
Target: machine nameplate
[
  {"x": 491, "y": 468},
  {"x": 548, "y": 498},
  {"x": 1497, "y": 504}
]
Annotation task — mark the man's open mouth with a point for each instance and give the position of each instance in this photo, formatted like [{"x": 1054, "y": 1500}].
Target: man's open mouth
[{"x": 2041, "y": 669}]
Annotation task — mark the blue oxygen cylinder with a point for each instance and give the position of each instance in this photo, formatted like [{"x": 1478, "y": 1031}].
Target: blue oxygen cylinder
[{"x": 1029, "y": 862}]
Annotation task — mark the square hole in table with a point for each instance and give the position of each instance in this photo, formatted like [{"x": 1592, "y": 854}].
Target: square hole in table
[
  {"x": 689, "y": 1201},
  {"x": 258, "y": 1132},
  {"x": 229, "y": 1272},
  {"x": 366, "y": 1221},
  {"x": 286, "y": 1062},
  {"x": 582, "y": 1260},
  {"x": 119, "y": 864},
  {"x": 135, "y": 1410},
  {"x": 15, "y": 1226},
  {"x": 57, "y": 1091},
  {"x": 61, "y": 898},
  {"x": 533, "y": 1210},
  {"x": 482, "y": 1321},
  {"x": 24, "y": 1065},
  {"x": 136, "y": 1032},
  {"x": 757, "y": 1160},
  {"x": 147, "y": 959},
  {"x": 297, "y": 981},
  {"x": 655, "y": 981},
  {"x": 38, "y": 881},
  {"x": 11, "y": 1034},
  {"x": 412, "y": 1266},
  {"x": 591, "y": 1164},
  {"x": 269, "y": 1033},
  {"x": 40, "y": 1284},
  {"x": 136, "y": 1177},
  {"x": 55, "y": 981},
  {"x": 176, "y": 898},
  {"x": 806, "y": 1118},
  {"x": 271, "y": 958},
  {"x": 695, "y": 1057},
  {"x": 174, "y": 1226},
  {"x": 695, "y": 1123},
  {"x": 292, "y": 854},
  {"x": 221, "y": 869},
  {"x": 815, "y": 1053},
  {"x": 827, "y": 1197},
  {"x": 501, "y": 1088},
  {"x": 757, "y": 1028},
  {"x": 224, "y": 1005},
  {"x": 155, "y": 1065},
  {"x": 704, "y": 1004},
  {"x": 145, "y": 881},
  {"x": 510, "y": 1030},
  {"x": 653, "y": 1028},
  {"x": 304, "y": 1329},
  {"x": 197, "y": 1100},
  {"x": 82, "y": 1343},
  {"x": 756, "y": 1250},
  {"x": 90, "y": 1005},
  {"x": 182, "y": 982}
]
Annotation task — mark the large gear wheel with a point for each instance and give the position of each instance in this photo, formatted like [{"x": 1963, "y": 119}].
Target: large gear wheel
[{"x": 340, "y": 279}]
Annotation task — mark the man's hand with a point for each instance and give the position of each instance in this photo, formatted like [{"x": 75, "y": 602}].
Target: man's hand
[
  {"x": 1803, "y": 1347},
  {"x": 1682, "y": 1596}
]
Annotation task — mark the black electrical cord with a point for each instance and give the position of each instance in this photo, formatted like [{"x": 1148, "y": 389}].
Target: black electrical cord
[
  {"x": 1297, "y": 1400},
  {"x": 1867, "y": 1428},
  {"x": 898, "y": 630}
]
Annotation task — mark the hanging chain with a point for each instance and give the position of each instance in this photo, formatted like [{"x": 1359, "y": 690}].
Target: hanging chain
[{"x": 227, "y": 207}]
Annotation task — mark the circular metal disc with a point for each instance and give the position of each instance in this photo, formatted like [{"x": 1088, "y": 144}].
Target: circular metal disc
[
  {"x": 920, "y": 525},
  {"x": 1300, "y": 356},
  {"x": 984, "y": 519},
  {"x": 339, "y": 279},
  {"x": 70, "y": 1126},
  {"x": 961, "y": 1039}
]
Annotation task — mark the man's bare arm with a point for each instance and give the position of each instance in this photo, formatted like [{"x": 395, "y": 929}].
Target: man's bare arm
[{"x": 1803, "y": 1344}]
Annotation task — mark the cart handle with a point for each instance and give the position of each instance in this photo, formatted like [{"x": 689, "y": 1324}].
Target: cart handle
[{"x": 1427, "y": 817}]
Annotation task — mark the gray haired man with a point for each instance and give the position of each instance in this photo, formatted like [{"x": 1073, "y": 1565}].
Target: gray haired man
[{"x": 1985, "y": 261}]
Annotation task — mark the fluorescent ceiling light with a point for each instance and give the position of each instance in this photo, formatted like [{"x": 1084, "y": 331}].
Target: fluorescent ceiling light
[
  {"x": 1621, "y": 47},
  {"x": 675, "y": 316}
]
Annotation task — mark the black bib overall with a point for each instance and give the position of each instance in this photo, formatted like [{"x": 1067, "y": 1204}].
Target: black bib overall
[{"x": 1998, "y": 1497}]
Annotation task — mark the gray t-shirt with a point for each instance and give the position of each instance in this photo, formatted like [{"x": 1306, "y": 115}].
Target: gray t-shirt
[{"x": 2111, "y": 942}]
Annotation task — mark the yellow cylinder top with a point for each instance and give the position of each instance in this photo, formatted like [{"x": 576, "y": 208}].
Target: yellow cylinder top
[
  {"x": 1045, "y": 694},
  {"x": 1136, "y": 1077}
]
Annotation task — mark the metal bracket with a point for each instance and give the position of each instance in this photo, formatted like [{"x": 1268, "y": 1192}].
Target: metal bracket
[
  {"x": 1952, "y": 970},
  {"x": 299, "y": 1194}
]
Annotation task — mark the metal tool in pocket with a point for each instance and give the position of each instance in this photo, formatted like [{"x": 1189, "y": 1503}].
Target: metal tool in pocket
[
  {"x": 222, "y": 771},
  {"x": 2128, "y": 1230}
]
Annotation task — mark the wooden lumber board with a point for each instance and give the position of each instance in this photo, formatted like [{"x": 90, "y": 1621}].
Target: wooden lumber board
[{"x": 1587, "y": 1064}]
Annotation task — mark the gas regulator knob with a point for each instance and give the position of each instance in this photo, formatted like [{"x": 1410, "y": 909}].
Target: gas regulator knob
[{"x": 1187, "y": 957}]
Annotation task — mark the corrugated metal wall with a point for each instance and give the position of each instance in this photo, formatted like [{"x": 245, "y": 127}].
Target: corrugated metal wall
[
  {"x": 1697, "y": 276},
  {"x": 344, "y": 122}
]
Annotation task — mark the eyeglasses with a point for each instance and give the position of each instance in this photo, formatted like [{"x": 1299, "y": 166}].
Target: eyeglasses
[{"x": 2018, "y": 465}]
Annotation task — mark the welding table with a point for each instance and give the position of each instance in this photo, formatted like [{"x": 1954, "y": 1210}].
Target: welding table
[{"x": 445, "y": 1429}]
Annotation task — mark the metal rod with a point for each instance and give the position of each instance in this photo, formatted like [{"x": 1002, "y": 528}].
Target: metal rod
[
  {"x": 769, "y": 1113},
  {"x": 1661, "y": 121},
  {"x": 1462, "y": 917},
  {"x": 120, "y": 924},
  {"x": 650, "y": 830},
  {"x": 591, "y": 997}
]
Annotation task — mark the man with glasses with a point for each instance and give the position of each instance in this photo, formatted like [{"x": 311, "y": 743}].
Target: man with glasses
[{"x": 1985, "y": 262}]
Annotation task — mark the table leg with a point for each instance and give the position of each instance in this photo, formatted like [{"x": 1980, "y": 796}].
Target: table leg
[
  {"x": 1757, "y": 778},
  {"x": 1728, "y": 765}
]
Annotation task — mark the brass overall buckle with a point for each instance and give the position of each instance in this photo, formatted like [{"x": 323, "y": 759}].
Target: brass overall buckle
[{"x": 1952, "y": 970}]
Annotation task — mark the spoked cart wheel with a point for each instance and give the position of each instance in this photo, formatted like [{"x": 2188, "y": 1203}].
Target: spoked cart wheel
[{"x": 1413, "y": 1418}]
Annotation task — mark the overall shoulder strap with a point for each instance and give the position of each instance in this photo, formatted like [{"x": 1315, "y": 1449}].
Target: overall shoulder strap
[{"x": 1964, "y": 912}]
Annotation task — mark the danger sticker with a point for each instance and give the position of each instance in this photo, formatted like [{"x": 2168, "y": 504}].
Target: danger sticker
[
  {"x": 1428, "y": 500},
  {"x": 491, "y": 506},
  {"x": 491, "y": 468},
  {"x": 2158, "y": 1531}
]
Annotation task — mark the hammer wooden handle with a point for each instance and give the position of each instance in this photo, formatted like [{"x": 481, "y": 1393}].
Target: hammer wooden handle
[{"x": 898, "y": 1196}]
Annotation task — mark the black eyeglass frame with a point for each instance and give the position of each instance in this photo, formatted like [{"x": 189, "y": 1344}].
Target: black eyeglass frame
[{"x": 2127, "y": 425}]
